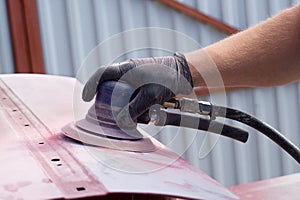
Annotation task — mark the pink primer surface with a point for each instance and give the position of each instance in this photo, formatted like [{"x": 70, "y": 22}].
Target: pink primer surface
[{"x": 43, "y": 163}]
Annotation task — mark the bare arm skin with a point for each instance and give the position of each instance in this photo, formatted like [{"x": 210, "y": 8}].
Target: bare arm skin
[{"x": 265, "y": 55}]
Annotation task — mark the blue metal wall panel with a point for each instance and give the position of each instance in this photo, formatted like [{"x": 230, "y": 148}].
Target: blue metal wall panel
[
  {"x": 55, "y": 35},
  {"x": 6, "y": 53},
  {"x": 72, "y": 28}
]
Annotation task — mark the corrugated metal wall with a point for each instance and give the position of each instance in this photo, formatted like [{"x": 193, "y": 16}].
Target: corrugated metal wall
[
  {"x": 72, "y": 28},
  {"x": 6, "y": 57}
]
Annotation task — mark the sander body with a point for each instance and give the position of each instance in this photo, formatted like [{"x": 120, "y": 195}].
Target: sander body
[{"x": 99, "y": 127}]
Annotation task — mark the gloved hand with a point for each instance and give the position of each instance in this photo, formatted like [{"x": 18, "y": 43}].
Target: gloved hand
[{"x": 158, "y": 79}]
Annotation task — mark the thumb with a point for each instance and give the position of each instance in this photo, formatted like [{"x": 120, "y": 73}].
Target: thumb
[{"x": 90, "y": 88}]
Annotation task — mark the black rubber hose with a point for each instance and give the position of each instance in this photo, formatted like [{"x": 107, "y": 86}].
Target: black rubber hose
[
  {"x": 173, "y": 119},
  {"x": 270, "y": 132}
]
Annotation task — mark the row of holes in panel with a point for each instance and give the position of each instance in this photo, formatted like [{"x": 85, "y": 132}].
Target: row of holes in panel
[{"x": 55, "y": 160}]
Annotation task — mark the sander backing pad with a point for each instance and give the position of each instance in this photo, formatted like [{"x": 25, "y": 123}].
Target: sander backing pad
[{"x": 100, "y": 129}]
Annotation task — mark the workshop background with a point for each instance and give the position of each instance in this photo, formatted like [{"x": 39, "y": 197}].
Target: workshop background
[{"x": 70, "y": 29}]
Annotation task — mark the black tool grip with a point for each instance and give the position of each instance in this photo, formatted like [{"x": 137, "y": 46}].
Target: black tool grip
[{"x": 174, "y": 119}]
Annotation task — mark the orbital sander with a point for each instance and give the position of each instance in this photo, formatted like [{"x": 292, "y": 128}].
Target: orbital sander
[{"x": 99, "y": 128}]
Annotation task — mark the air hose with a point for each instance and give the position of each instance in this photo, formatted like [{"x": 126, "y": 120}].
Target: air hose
[
  {"x": 266, "y": 129},
  {"x": 206, "y": 108}
]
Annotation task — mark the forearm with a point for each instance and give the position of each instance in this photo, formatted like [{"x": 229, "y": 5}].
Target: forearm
[{"x": 265, "y": 55}]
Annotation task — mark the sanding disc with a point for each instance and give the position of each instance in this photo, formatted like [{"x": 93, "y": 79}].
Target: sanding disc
[
  {"x": 103, "y": 131},
  {"x": 142, "y": 145}
]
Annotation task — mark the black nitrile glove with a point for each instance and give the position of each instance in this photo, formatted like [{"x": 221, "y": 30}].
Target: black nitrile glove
[{"x": 158, "y": 79}]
